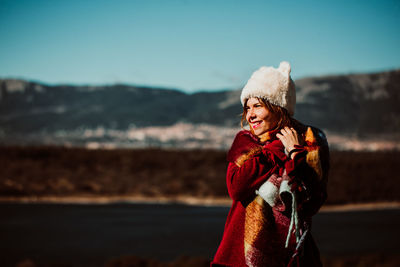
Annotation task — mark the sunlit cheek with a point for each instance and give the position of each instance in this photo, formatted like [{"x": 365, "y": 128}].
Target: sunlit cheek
[
  {"x": 247, "y": 118},
  {"x": 259, "y": 114}
]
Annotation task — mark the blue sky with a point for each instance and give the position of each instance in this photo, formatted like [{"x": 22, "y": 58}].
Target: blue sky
[{"x": 193, "y": 45}]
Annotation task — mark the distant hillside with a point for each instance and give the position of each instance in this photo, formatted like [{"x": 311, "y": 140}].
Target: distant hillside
[
  {"x": 363, "y": 104},
  {"x": 358, "y": 105}
]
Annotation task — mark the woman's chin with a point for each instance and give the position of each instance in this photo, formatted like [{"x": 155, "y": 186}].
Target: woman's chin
[{"x": 259, "y": 132}]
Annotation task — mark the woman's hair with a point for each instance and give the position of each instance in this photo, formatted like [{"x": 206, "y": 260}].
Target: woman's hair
[{"x": 279, "y": 114}]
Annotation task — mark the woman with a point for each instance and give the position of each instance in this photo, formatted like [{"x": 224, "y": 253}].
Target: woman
[{"x": 276, "y": 178}]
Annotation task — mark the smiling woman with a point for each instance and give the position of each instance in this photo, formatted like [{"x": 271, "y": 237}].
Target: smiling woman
[
  {"x": 258, "y": 116},
  {"x": 274, "y": 117},
  {"x": 276, "y": 178}
]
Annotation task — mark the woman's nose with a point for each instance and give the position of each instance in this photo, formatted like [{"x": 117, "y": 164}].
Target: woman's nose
[{"x": 251, "y": 114}]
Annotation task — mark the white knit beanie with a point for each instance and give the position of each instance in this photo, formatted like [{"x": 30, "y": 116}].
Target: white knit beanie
[{"x": 273, "y": 85}]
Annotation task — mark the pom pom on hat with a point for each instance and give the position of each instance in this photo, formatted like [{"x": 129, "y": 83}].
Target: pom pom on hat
[{"x": 273, "y": 85}]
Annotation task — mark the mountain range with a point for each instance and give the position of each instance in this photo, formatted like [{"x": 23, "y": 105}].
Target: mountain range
[{"x": 360, "y": 106}]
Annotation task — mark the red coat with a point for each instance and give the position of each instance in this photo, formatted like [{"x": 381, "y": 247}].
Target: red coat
[{"x": 251, "y": 164}]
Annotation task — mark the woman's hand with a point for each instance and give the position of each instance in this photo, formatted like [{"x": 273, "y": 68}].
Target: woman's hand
[{"x": 289, "y": 139}]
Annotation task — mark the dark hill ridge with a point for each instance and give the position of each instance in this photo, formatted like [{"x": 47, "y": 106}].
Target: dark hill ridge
[
  {"x": 27, "y": 106},
  {"x": 361, "y": 105}
]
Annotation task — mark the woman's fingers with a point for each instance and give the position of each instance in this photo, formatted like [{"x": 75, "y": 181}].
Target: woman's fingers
[
  {"x": 283, "y": 138},
  {"x": 289, "y": 132},
  {"x": 285, "y": 130},
  {"x": 288, "y": 137}
]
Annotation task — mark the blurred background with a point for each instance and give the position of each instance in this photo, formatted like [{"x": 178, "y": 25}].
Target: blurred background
[{"x": 115, "y": 119}]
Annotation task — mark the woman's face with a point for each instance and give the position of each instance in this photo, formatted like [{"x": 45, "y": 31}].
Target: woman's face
[{"x": 258, "y": 116}]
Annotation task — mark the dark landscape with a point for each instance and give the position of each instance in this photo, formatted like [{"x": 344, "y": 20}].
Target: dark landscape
[
  {"x": 362, "y": 107},
  {"x": 134, "y": 235},
  {"x": 355, "y": 177},
  {"x": 102, "y": 175}
]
